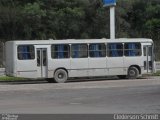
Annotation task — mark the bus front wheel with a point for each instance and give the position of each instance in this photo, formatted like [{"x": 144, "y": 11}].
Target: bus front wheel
[
  {"x": 133, "y": 73},
  {"x": 60, "y": 76}
]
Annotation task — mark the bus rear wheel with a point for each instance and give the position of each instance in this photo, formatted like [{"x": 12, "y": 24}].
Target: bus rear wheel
[
  {"x": 60, "y": 76},
  {"x": 133, "y": 73}
]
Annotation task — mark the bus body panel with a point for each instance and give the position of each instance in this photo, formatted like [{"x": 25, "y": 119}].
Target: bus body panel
[
  {"x": 26, "y": 70},
  {"x": 115, "y": 65},
  {"x": 75, "y": 67},
  {"x": 97, "y": 66}
]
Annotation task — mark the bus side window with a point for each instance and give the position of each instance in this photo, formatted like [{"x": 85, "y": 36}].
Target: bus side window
[
  {"x": 115, "y": 49},
  {"x": 60, "y": 51},
  {"x": 26, "y": 52},
  {"x": 132, "y": 49},
  {"x": 97, "y": 50},
  {"x": 79, "y": 51}
]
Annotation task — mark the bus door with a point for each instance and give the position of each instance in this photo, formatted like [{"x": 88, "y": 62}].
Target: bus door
[
  {"x": 42, "y": 62},
  {"x": 148, "y": 58}
]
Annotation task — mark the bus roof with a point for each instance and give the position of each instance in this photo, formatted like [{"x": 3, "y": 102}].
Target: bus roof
[{"x": 67, "y": 41}]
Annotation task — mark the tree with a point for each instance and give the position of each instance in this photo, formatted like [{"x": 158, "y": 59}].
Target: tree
[
  {"x": 9, "y": 20},
  {"x": 32, "y": 17},
  {"x": 65, "y": 19}
]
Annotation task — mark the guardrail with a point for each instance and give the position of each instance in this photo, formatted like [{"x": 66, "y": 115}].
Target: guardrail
[
  {"x": 158, "y": 65},
  {"x": 2, "y": 71}
]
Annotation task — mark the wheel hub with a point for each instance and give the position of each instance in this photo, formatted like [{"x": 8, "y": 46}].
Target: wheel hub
[
  {"x": 132, "y": 72},
  {"x": 60, "y": 76}
]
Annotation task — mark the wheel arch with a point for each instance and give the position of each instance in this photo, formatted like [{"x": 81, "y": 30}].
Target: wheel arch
[{"x": 62, "y": 69}]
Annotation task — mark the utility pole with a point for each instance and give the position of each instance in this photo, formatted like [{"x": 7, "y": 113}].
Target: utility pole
[
  {"x": 112, "y": 22},
  {"x": 111, "y": 4}
]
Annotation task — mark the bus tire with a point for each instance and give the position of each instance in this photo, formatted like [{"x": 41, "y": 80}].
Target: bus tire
[
  {"x": 60, "y": 76},
  {"x": 133, "y": 73}
]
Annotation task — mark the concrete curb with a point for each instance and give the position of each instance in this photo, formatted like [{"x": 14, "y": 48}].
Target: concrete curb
[{"x": 22, "y": 81}]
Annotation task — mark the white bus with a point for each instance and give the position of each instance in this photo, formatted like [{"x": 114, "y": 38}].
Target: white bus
[{"x": 63, "y": 59}]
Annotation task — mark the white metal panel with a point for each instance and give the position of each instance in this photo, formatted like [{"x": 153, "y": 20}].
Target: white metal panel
[
  {"x": 79, "y": 67},
  {"x": 26, "y": 68},
  {"x": 97, "y": 66},
  {"x": 27, "y": 74},
  {"x": 115, "y": 65}
]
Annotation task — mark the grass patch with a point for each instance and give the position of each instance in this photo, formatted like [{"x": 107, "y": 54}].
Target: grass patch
[
  {"x": 6, "y": 78},
  {"x": 157, "y": 73}
]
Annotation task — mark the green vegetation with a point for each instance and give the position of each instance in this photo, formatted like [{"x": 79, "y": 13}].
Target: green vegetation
[
  {"x": 64, "y": 19},
  {"x": 157, "y": 73},
  {"x": 78, "y": 19},
  {"x": 5, "y": 78}
]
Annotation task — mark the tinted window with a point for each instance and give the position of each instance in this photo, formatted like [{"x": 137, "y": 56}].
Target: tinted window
[
  {"x": 145, "y": 51},
  {"x": 132, "y": 49},
  {"x": 26, "y": 52},
  {"x": 115, "y": 49},
  {"x": 60, "y": 51},
  {"x": 79, "y": 50},
  {"x": 97, "y": 50},
  {"x": 149, "y": 51}
]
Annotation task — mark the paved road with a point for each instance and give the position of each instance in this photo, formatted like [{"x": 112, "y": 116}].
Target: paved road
[{"x": 105, "y": 96}]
